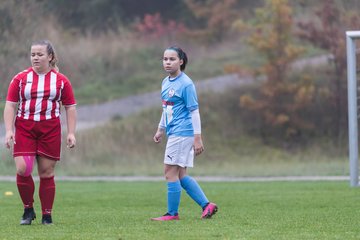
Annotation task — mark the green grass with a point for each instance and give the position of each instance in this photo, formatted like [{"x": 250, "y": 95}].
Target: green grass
[
  {"x": 121, "y": 77},
  {"x": 125, "y": 147},
  {"x": 252, "y": 210}
]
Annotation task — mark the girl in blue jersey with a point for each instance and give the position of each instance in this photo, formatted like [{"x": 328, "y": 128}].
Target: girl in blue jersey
[{"x": 181, "y": 122}]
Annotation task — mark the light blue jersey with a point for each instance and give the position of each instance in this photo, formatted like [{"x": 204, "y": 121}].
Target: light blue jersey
[{"x": 179, "y": 98}]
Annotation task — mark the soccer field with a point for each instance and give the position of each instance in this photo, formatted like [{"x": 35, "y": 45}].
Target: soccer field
[{"x": 247, "y": 210}]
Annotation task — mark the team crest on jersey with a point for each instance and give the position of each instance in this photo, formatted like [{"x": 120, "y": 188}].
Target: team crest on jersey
[{"x": 171, "y": 92}]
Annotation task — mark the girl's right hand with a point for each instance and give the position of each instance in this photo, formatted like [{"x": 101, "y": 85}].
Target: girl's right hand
[
  {"x": 9, "y": 138},
  {"x": 158, "y": 136}
]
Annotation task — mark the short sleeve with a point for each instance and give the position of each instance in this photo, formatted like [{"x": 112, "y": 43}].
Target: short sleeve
[
  {"x": 13, "y": 94},
  {"x": 190, "y": 97},
  {"x": 67, "y": 94}
]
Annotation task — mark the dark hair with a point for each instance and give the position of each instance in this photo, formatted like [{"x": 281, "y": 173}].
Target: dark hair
[
  {"x": 181, "y": 54},
  {"x": 50, "y": 51}
]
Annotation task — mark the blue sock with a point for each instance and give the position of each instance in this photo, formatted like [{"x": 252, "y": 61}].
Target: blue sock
[
  {"x": 194, "y": 190},
  {"x": 174, "y": 194}
]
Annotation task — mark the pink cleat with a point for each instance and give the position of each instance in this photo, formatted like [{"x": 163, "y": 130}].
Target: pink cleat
[
  {"x": 209, "y": 210},
  {"x": 166, "y": 217}
]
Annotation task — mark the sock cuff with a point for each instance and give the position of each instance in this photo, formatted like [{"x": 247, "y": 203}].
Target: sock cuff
[
  {"x": 174, "y": 186},
  {"x": 18, "y": 175},
  {"x": 23, "y": 178},
  {"x": 185, "y": 180},
  {"x": 47, "y": 178}
]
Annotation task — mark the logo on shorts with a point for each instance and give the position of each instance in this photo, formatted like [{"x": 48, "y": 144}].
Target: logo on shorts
[
  {"x": 169, "y": 157},
  {"x": 171, "y": 92}
]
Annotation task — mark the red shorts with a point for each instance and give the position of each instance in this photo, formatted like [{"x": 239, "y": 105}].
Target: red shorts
[{"x": 41, "y": 138}]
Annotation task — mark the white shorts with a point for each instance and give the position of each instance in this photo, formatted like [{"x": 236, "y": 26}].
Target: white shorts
[{"x": 180, "y": 151}]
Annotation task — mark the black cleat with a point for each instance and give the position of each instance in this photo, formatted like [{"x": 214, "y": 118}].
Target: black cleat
[
  {"x": 28, "y": 216},
  {"x": 46, "y": 219}
]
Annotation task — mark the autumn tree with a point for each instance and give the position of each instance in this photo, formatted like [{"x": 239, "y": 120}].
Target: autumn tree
[
  {"x": 153, "y": 27},
  {"x": 217, "y": 16},
  {"x": 327, "y": 32},
  {"x": 278, "y": 105}
]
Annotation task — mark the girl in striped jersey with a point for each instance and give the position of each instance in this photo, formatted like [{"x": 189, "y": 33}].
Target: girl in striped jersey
[
  {"x": 181, "y": 122},
  {"x": 32, "y": 108}
]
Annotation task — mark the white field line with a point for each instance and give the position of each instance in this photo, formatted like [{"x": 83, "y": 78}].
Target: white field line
[{"x": 199, "y": 178}]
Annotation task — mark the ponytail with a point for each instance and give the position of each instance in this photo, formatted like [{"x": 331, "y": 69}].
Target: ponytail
[{"x": 181, "y": 54}]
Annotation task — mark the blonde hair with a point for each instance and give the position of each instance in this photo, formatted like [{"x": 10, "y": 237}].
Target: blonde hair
[{"x": 50, "y": 51}]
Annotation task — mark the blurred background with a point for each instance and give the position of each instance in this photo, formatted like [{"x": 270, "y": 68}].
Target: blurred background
[{"x": 283, "y": 112}]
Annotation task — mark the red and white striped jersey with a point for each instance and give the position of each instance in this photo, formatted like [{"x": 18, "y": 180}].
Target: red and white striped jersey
[{"x": 39, "y": 95}]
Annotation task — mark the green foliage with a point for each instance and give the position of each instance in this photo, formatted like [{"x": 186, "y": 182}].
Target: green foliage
[
  {"x": 15, "y": 38},
  {"x": 114, "y": 62},
  {"x": 123, "y": 74},
  {"x": 248, "y": 210},
  {"x": 232, "y": 146},
  {"x": 98, "y": 17}
]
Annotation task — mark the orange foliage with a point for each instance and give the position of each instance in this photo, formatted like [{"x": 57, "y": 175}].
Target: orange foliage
[
  {"x": 152, "y": 26},
  {"x": 279, "y": 102},
  {"x": 330, "y": 36},
  {"x": 218, "y": 15}
]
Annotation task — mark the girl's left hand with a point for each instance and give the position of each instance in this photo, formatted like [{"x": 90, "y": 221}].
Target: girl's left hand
[
  {"x": 70, "y": 141},
  {"x": 198, "y": 144}
]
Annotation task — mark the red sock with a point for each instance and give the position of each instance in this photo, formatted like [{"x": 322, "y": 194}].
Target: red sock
[
  {"x": 26, "y": 189},
  {"x": 47, "y": 194}
]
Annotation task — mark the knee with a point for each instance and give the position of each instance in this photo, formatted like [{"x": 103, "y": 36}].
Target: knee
[
  {"x": 171, "y": 173},
  {"x": 171, "y": 177},
  {"x": 21, "y": 172},
  {"x": 25, "y": 168},
  {"x": 168, "y": 175},
  {"x": 46, "y": 173},
  {"x": 46, "y": 168}
]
